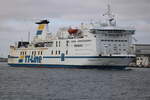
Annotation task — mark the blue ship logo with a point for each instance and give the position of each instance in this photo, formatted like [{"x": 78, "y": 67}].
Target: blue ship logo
[{"x": 30, "y": 59}]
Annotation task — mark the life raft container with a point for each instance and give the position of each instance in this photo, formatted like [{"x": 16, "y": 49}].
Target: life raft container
[{"x": 73, "y": 31}]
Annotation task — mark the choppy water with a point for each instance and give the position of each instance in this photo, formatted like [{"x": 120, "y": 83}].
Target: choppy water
[{"x": 73, "y": 84}]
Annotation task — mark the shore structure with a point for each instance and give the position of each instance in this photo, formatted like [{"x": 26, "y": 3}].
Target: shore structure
[{"x": 142, "y": 52}]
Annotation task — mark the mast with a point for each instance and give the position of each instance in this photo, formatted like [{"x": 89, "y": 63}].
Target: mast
[{"x": 110, "y": 16}]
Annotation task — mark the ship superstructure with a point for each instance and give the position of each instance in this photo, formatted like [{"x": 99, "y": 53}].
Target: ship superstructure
[{"x": 102, "y": 45}]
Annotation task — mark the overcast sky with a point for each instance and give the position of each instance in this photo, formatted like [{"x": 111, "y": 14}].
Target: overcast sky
[{"x": 17, "y": 17}]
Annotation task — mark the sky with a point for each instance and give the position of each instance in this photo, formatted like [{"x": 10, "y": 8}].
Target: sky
[{"x": 17, "y": 17}]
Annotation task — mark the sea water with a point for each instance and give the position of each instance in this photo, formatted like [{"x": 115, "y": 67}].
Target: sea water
[{"x": 21, "y": 83}]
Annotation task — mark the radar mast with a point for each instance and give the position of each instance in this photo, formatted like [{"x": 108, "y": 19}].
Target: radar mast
[{"x": 110, "y": 16}]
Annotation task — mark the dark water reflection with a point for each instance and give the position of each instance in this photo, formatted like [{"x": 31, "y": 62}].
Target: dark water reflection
[{"x": 73, "y": 84}]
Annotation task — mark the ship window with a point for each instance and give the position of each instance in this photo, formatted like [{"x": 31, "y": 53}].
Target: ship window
[
  {"x": 124, "y": 49},
  {"x": 56, "y": 44},
  {"x": 59, "y": 43},
  {"x": 38, "y": 52},
  {"x": 67, "y": 43},
  {"x": 32, "y": 52},
  {"x": 48, "y": 44},
  {"x": 78, "y": 45},
  {"x": 52, "y": 52},
  {"x": 56, "y": 52},
  {"x": 66, "y": 52},
  {"x": 84, "y": 40}
]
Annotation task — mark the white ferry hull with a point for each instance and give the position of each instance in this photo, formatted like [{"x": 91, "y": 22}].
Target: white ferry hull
[{"x": 77, "y": 61}]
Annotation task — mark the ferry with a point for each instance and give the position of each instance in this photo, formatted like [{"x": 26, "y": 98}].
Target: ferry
[{"x": 96, "y": 45}]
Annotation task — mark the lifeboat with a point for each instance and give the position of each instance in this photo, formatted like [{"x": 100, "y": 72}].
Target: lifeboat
[{"x": 72, "y": 31}]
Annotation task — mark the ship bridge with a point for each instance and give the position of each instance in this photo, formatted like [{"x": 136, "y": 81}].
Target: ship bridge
[{"x": 112, "y": 39}]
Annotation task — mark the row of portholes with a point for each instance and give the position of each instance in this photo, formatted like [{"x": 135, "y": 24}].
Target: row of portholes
[
  {"x": 115, "y": 40},
  {"x": 23, "y": 53},
  {"x": 58, "y": 52}
]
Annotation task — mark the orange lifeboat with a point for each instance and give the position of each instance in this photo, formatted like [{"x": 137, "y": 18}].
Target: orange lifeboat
[{"x": 72, "y": 31}]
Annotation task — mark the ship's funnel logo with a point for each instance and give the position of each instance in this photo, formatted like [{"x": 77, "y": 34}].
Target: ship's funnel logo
[
  {"x": 40, "y": 29},
  {"x": 42, "y": 24}
]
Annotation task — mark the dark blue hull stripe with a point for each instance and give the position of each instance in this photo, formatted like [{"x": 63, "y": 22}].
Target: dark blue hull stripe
[
  {"x": 81, "y": 57},
  {"x": 67, "y": 66}
]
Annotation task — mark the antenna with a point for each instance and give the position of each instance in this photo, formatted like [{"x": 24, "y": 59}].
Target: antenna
[{"x": 110, "y": 15}]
